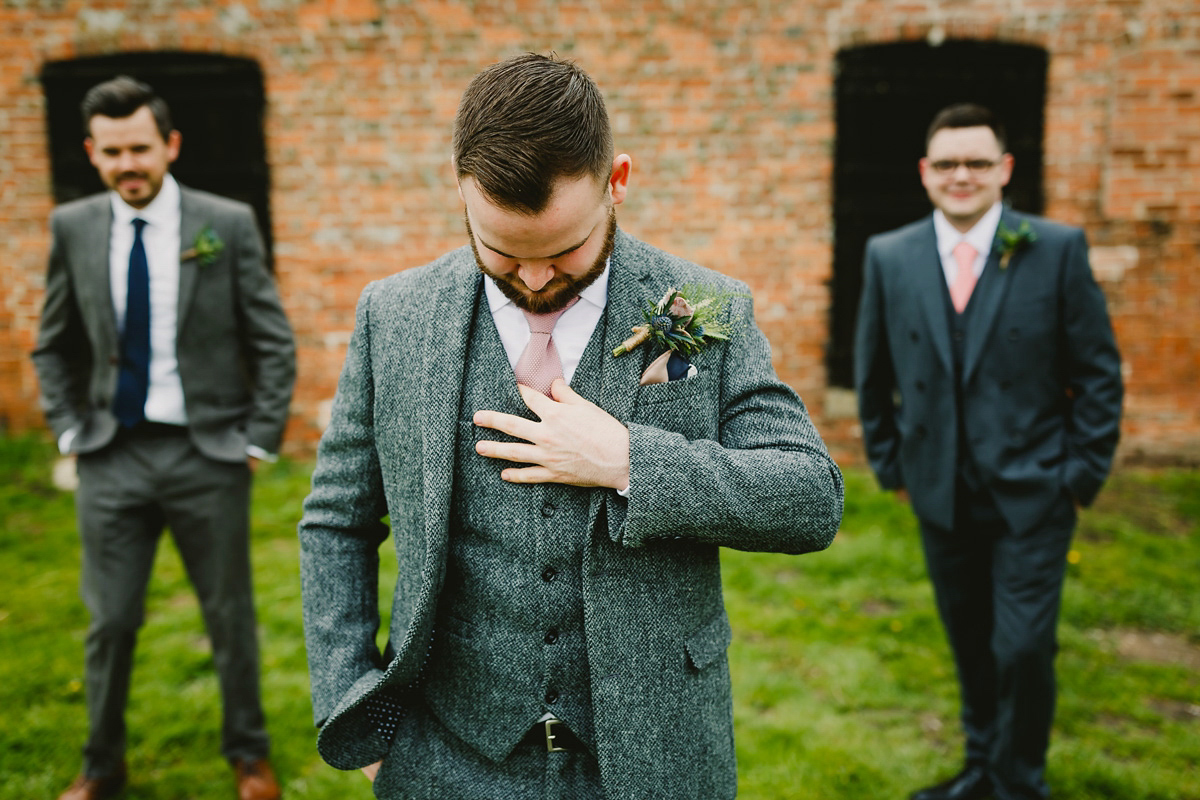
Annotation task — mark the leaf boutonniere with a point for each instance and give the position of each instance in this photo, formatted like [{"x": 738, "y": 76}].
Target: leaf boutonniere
[
  {"x": 205, "y": 248},
  {"x": 1010, "y": 242},
  {"x": 682, "y": 323}
]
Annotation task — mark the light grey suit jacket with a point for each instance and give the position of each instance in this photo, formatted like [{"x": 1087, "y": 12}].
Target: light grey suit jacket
[
  {"x": 233, "y": 343},
  {"x": 727, "y": 458},
  {"x": 1041, "y": 383}
]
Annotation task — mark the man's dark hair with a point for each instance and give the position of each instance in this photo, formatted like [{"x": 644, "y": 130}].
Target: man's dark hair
[
  {"x": 527, "y": 121},
  {"x": 967, "y": 115},
  {"x": 121, "y": 97}
]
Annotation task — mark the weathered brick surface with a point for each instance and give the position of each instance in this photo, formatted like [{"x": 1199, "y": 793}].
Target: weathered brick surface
[{"x": 727, "y": 110}]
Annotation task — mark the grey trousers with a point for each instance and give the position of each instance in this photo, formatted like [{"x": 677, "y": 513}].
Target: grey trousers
[
  {"x": 147, "y": 478},
  {"x": 428, "y": 762}
]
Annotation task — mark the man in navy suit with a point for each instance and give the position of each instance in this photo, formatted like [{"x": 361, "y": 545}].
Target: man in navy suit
[{"x": 989, "y": 388}]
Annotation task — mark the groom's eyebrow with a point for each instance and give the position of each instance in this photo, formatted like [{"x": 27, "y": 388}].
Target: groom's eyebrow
[{"x": 569, "y": 250}]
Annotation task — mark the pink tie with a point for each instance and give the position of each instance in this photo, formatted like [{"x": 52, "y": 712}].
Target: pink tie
[
  {"x": 538, "y": 365},
  {"x": 964, "y": 281}
]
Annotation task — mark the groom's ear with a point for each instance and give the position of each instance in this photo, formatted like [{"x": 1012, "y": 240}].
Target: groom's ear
[{"x": 618, "y": 179}]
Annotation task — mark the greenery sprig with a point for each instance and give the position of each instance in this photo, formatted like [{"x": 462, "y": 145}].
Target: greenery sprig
[
  {"x": 205, "y": 248},
  {"x": 1010, "y": 242},
  {"x": 684, "y": 321}
]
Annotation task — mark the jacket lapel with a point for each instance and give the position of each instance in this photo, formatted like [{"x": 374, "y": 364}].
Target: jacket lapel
[
  {"x": 986, "y": 301},
  {"x": 930, "y": 282},
  {"x": 444, "y": 358},
  {"x": 629, "y": 290},
  {"x": 95, "y": 274},
  {"x": 191, "y": 222}
]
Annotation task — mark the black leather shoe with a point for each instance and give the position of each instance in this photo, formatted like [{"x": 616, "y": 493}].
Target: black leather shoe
[{"x": 970, "y": 784}]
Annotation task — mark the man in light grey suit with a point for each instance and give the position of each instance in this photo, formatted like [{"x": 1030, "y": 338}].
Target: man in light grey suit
[
  {"x": 989, "y": 388},
  {"x": 557, "y": 626},
  {"x": 166, "y": 366}
]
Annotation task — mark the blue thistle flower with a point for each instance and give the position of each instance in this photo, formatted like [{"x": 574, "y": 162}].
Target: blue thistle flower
[{"x": 663, "y": 323}]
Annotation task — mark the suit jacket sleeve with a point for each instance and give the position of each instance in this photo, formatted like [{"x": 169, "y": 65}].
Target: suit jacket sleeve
[
  {"x": 266, "y": 339},
  {"x": 766, "y": 484},
  {"x": 875, "y": 378},
  {"x": 341, "y": 532},
  {"x": 1093, "y": 376},
  {"x": 62, "y": 357}
]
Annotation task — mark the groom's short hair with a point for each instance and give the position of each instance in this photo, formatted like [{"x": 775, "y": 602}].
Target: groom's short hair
[
  {"x": 527, "y": 121},
  {"x": 967, "y": 115},
  {"x": 121, "y": 97}
]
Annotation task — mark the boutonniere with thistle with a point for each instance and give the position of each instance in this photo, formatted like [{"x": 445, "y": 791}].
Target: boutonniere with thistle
[
  {"x": 683, "y": 322},
  {"x": 1010, "y": 242},
  {"x": 205, "y": 248}
]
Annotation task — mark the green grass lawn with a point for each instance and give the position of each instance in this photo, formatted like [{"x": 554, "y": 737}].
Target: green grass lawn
[{"x": 842, "y": 682}]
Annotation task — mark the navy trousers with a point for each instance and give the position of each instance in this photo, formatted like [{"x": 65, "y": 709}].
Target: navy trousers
[{"x": 998, "y": 594}]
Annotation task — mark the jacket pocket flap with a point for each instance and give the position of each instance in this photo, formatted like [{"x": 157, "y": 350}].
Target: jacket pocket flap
[{"x": 710, "y": 642}]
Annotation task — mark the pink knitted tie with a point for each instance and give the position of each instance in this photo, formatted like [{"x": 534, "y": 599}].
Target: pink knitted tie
[
  {"x": 964, "y": 280},
  {"x": 539, "y": 365}
]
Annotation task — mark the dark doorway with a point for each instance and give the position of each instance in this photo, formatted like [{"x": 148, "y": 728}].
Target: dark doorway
[
  {"x": 886, "y": 96},
  {"x": 216, "y": 102}
]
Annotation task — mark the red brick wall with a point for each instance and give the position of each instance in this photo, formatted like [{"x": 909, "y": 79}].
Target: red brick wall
[{"x": 726, "y": 109}]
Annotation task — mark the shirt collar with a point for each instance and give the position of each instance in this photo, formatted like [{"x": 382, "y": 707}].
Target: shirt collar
[
  {"x": 596, "y": 293},
  {"x": 980, "y": 236},
  {"x": 161, "y": 212}
]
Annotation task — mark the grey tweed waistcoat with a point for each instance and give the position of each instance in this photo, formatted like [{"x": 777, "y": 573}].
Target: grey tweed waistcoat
[{"x": 508, "y": 645}]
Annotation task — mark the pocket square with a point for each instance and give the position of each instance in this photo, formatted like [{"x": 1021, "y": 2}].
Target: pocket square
[{"x": 670, "y": 366}]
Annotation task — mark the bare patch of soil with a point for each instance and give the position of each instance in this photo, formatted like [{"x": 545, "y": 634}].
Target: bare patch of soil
[{"x": 1157, "y": 648}]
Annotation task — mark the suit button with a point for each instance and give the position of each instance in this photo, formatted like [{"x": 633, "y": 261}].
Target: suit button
[
  {"x": 914, "y": 336},
  {"x": 1014, "y": 334},
  {"x": 549, "y": 574},
  {"x": 552, "y": 696},
  {"x": 921, "y": 432},
  {"x": 114, "y": 360},
  {"x": 548, "y": 510},
  {"x": 551, "y": 636},
  {"x": 958, "y": 336},
  {"x": 920, "y": 386}
]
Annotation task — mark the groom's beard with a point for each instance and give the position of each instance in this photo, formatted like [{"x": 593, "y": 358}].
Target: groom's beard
[{"x": 561, "y": 289}]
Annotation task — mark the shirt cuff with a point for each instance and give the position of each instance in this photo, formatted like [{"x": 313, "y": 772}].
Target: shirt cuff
[
  {"x": 624, "y": 492},
  {"x": 66, "y": 440},
  {"x": 254, "y": 451}
]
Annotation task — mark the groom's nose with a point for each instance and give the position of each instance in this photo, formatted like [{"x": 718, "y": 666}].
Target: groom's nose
[{"x": 536, "y": 274}]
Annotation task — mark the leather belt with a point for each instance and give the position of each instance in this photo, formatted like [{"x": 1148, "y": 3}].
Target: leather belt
[
  {"x": 148, "y": 429},
  {"x": 554, "y": 736}
]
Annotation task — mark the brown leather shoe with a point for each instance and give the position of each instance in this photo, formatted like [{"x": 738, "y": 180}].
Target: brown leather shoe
[
  {"x": 85, "y": 788},
  {"x": 255, "y": 780}
]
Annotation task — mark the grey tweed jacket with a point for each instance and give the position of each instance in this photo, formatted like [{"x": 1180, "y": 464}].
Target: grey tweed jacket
[
  {"x": 726, "y": 458},
  {"x": 236, "y": 356}
]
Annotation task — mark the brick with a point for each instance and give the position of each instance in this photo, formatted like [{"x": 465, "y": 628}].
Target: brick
[{"x": 727, "y": 112}]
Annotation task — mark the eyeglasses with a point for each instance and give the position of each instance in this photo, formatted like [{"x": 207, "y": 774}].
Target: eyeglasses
[{"x": 976, "y": 166}]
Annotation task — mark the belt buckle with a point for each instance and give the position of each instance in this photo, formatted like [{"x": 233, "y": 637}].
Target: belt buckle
[{"x": 550, "y": 737}]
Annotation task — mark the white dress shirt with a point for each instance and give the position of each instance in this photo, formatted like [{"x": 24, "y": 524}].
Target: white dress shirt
[
  {"x": 571, "y": 333},
  {"x": 980, "y": 237},
  {"x": 160, "y": 236}
]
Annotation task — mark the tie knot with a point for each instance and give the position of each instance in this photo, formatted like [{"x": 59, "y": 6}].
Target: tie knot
[
  {"x": 964, "y": 253},
  {"x": 138, "y": 224},
  {"x": 544, "y": 323}
]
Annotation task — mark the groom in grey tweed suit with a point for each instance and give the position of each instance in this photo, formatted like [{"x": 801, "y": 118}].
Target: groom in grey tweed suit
[{"x": 557, "y": 625}]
